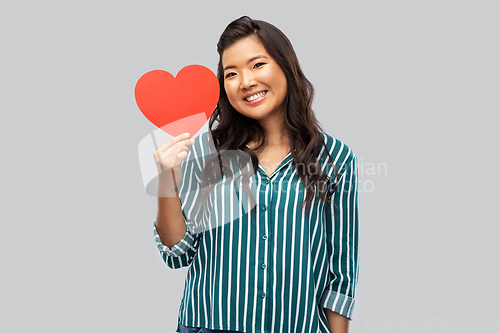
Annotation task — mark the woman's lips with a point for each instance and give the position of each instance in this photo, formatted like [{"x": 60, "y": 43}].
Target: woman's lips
[{"x": 257, "y": 100}]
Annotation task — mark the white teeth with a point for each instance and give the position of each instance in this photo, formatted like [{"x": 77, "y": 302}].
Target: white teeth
[{"x": 254, "y": 97}]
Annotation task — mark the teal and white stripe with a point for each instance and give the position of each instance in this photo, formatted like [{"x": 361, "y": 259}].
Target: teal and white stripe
[{"x": 273, "y": 270}]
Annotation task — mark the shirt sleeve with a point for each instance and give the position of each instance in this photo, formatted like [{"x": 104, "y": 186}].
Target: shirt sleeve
[
  {"x": 342, "y": 242},
  {"x": 182, "y": 253}
]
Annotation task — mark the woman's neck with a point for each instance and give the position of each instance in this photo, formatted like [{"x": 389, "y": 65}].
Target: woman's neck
[
  {"x": 275, "y": 129},
  {"x": 275, "y": 140}
]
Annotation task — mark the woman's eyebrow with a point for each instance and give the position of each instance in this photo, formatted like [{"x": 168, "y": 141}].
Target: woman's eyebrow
[{"x": 249, "y": 61}]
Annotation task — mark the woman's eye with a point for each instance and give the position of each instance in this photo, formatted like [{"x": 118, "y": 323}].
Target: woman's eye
[
  {"x": 257, "y": 65},
  {"x": 228, "y": 75}
]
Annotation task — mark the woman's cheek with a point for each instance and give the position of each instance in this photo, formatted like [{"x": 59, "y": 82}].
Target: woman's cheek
[
  {"x": 232, "y": 90},
  {"x": 228, "y": 88}
]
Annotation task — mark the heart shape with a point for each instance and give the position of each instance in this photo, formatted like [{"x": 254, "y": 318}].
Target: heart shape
[{"x": 181, "y": 104}]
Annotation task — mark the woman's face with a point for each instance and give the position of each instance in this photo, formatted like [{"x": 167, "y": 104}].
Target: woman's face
[{"x": 255, "y": 84}]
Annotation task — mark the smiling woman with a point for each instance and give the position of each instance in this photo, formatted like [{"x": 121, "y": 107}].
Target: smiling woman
[
  {"x": 254, "y": 83},
  {"x": 287, "y": 262}
]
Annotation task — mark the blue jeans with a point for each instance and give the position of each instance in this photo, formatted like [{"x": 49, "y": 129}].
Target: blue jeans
[{"x": 187, "y": 329}]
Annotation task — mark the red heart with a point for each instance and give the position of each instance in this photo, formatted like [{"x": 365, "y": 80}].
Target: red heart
[{"x": 181, "y": 104}]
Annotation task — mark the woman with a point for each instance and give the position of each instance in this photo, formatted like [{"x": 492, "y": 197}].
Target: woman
[{"x": 287, "y": 261}]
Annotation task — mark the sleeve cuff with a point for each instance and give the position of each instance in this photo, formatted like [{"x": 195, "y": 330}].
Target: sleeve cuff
[
  {"x": 337, "y": 302},
  {"x": 185, "y": 244}
]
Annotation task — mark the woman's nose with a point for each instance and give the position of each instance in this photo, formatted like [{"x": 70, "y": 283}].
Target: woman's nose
[{"x": 248, "y": 81}]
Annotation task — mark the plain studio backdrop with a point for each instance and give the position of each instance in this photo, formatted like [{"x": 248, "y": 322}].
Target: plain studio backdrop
[{"x": 411, "y": 86}]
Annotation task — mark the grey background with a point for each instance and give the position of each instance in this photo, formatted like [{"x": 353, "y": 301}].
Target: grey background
[{"x": 412, "y": 85}]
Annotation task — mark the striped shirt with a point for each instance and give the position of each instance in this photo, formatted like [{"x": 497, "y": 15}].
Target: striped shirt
[{"x": 273, "y": 269}]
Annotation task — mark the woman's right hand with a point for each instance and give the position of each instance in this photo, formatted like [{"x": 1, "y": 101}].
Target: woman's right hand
[{"x": 168, "y": 158}]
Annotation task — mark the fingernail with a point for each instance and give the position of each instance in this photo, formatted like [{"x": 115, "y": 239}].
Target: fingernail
[{"x": 186, "y": 135}]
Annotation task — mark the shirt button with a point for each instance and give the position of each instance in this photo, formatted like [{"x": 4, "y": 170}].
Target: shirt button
[
  {"x": 263, "y": 266},
  {"x": 264, "y": 237},
  {"x": 264, "y": 208},
  {"x": 263, "y": 295}
]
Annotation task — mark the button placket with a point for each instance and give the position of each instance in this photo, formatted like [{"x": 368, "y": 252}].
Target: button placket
[{"x": 265, "y": 213}]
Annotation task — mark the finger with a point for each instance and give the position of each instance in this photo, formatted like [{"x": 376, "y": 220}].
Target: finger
[
  {"x": 177, "y": 148},
  {"x": 174, "y": 158},
  {"x": 182, "y": 154},
  {"x": 183, "y": 139},
  {"x": 180, "y": 151},
  {"x": 174, "y": 150},
  {"x": 157, "y": 155},
  {"x": 172, "y": 142}
]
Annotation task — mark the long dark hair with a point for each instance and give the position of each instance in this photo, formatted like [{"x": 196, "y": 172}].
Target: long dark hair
[{"x": 234, "y": 130}]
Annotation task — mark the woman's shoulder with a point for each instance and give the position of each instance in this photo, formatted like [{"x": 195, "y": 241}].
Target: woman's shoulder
[{"x": 339, "y": 151}]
